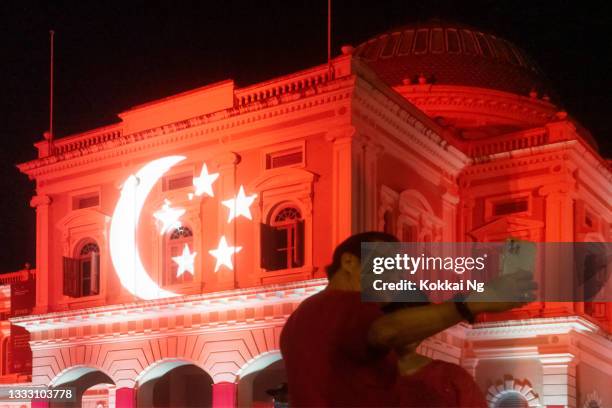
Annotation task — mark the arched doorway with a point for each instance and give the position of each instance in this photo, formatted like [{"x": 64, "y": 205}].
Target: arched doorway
[
  {"x": 174, "y": 383},
  {"x": 90, "y": 384},
  {"x": 258, "y": 378}
]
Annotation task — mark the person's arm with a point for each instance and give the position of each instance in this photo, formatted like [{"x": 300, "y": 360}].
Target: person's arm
[{"x": 414, "y": 324}]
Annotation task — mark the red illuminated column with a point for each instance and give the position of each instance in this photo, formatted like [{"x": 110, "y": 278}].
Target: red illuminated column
[
  {"x": 41, "y": 203},
  {"x": 125, "y": 397},
  {"x": 371, "y": 157},
  {"x": 224, "y": 395},
  {"x": 348, "y": 166},
  {"x": 559, "y": 209},
  {"x": 559, "y": 380},
  {"x": 559, "y": 228}
]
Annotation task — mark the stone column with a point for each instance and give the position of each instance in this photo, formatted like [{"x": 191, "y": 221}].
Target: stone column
[
  {"x": 349, "y": 168},
  {"x": 370, "y": 204},
  {"x": 559, "y": 211},
  {"x": 558, "y": 380},
  {"x": 342, "y": 209},
  {"x": 125, "y": 398},
  {"x": 224, "y": 395},
  {"x": 42, "y": 202},
  {"x": 559, "y": 218}
]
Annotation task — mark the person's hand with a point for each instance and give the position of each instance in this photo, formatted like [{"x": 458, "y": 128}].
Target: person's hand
[{"x": 504, "y": 293}]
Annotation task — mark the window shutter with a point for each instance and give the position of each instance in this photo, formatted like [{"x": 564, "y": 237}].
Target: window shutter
[
  {"x": 72, "y": 277},
  {"x": 266, "y": 238},
  {"x": 273, "y": 239},
  {"x": 94, "y": 283},
  {"x": 299, "y": 244}
]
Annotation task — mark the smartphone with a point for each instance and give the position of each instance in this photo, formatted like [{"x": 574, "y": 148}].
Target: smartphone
[{"x": 518, "y": 255}]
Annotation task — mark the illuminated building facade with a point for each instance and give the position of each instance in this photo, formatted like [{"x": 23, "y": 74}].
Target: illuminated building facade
[{"x": 172, "y": 246}]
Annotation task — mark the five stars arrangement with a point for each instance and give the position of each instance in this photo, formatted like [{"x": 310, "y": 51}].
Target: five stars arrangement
[{"x": 239, "y": 206}]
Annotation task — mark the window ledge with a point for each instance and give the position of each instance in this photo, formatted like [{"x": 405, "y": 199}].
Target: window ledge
[{"x": 286, "y": 275}]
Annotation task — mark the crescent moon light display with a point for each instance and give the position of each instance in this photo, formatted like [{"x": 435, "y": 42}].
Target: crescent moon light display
[{"x": 123, "y": 248}]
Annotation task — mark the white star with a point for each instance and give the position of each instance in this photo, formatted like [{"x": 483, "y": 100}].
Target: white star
[
  {"x": 223, "y": 254},
  {"x": 184, "y": 261},
  {"x": 169, "y": 217},
  {"x": 239, "y": 205},
  {"x": 203, "y": 184}
]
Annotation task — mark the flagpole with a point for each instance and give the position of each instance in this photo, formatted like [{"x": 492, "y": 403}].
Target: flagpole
[
  {"x": 51, "y": 34},
  {"x": 329, "y": 65}
]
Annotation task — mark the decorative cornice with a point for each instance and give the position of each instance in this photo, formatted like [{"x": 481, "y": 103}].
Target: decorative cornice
[
  {"x": 478, "y": 100},
  {"x": 293, "y": 291},
  {"x": 527, "y": 328}
]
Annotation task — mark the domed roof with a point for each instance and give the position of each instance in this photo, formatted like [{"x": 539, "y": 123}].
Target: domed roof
[{"x": 452, "y": 54}]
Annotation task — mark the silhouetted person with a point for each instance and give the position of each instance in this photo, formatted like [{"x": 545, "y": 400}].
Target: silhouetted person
[
  {"x": 336, "y": 347},
  {"x": 425, "y": 382}
]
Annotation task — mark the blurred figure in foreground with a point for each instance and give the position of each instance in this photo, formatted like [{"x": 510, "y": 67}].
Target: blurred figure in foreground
[
  {"x": 425, "y": 382},
  {"x": 337, "y": 348}
]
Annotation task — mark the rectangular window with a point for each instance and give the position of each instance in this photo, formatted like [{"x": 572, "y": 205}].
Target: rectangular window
[
  {"x": 406, "y": 44},
  {"x": 469, "y": 46},
  {"x": 390, "y": 46},
  {"x": 420, "y": 43},
  {"x": 437, "y": 40},
  {"x": 85, "y": 201},
  {"x": 510, "y": 207},
  {"x": 285, "y": 158},
  {"x": 483, "y": 44},
  {"x": 177, "y": 181},
  {"x": 452, "y": 40}
]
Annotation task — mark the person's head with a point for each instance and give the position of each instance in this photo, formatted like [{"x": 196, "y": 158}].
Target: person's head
[
  {"x": 346, "y": 260},
  {"x": 419, "y": 299}
]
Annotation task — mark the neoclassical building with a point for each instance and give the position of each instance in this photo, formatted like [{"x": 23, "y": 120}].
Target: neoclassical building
[{"x": 173, "y": 244}]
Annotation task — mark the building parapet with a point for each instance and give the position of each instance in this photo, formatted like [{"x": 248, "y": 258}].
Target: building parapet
[
  {"x": 18, "y": 276},
  {"x": 112, "y": 135}
]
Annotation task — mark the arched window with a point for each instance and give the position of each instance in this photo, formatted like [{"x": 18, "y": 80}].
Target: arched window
[
  {"x": 176, "y": 241},
  {"x": 82, "y": 273},
  {"x": 282, "y": 241},
  {"x": 512, "y": 400}
]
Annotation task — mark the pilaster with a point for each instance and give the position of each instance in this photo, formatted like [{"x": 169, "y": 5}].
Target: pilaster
[
  {"x": 226, "y": 188},
  {"x": 450, "y": 200},
  {"x": 42, "y": 202},
  {"x": 349, "y": 181}
]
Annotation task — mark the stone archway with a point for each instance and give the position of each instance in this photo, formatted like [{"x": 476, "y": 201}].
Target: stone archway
[
  {"x": 174, "y": 383},
  {"x": 81, "y": 379},
  {"x": 261, "y": 374}
]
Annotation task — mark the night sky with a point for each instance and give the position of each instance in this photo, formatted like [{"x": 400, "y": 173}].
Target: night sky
[{"x": 110, "y": 56}]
